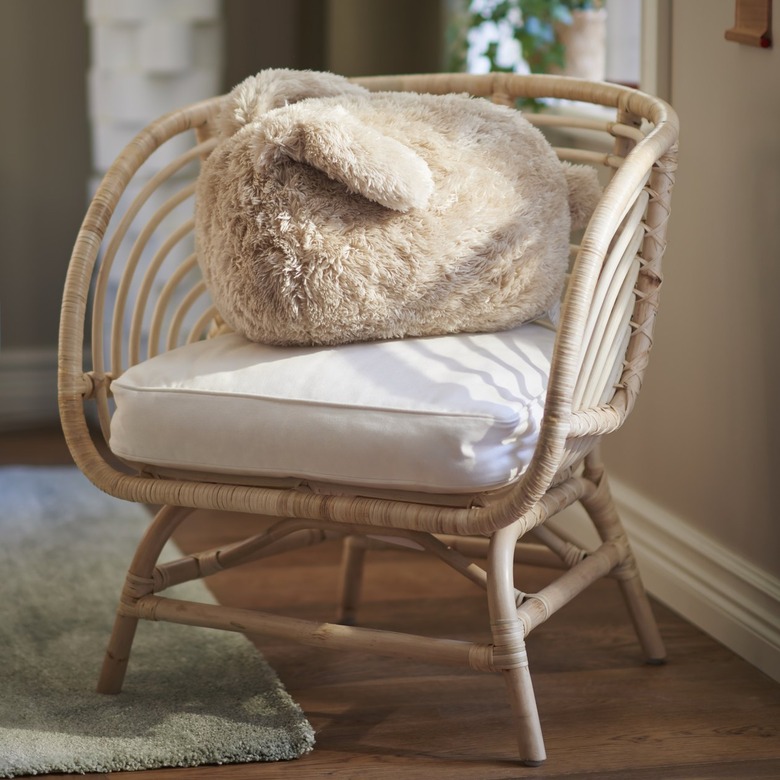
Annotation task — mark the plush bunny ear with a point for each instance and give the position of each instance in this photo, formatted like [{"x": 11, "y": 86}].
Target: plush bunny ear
[
  {"x": 363, "y": 159},
  {"x": 584, "y": 192},
  {"x": 275, "y": 88}
]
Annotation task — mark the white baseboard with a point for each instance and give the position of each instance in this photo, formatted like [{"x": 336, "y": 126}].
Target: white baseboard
[
  {"x": 28, "y": 388},
  {"x": 716, "y": 590}
]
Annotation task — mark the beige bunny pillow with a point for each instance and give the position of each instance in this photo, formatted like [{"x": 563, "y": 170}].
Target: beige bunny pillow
[{"x": 329, "y": 214}]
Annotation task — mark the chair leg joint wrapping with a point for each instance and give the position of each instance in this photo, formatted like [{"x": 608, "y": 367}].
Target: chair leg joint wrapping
[
  {"x": 144, "y": 608},
  {"x": 134, "y": 589},
  {"x": 508, "y": 648},
  {"x": 627, "y": 570},
  {"x": 208, "y": 562}
]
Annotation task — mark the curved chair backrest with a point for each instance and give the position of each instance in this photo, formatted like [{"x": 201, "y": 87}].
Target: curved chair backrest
[{"x": 148, "y": 296}]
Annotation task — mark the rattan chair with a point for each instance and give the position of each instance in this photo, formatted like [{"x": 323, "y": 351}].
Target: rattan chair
[{"x": 144, "y": 295}]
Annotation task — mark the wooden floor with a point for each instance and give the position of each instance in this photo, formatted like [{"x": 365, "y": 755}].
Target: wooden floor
[{"x": 706, "y": 714}]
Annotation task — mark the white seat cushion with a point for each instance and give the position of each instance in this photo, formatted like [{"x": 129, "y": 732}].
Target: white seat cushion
[{"x": 439, "y": 415}]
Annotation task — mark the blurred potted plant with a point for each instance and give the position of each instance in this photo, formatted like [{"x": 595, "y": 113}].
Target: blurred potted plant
[{"x": 553, "y": 36}]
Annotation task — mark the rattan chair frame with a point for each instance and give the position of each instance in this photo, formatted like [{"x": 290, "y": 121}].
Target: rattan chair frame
[{"x": 603, "y": 339}]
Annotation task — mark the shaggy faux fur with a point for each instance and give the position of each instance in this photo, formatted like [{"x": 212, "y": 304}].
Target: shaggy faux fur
[{"x": 330, "y": 214}]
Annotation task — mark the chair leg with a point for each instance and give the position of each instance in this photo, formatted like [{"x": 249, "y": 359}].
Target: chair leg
[
  {"x": 115, "y": 661},
  {"x": 602, "y": 511},
  {"x": 353, "y": 556},
  {"x": 509, "y": 645},
  {"x": 139, "y": 582}
]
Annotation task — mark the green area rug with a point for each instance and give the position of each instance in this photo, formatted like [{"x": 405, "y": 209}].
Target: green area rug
[{"x": 191, "y": 696}]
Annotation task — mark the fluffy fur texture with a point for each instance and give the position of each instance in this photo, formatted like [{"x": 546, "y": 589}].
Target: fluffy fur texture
[{"x": 329, "y": 214}]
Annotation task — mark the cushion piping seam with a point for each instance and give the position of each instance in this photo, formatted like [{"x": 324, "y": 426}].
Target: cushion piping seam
[{"x": 519, "y": 404}]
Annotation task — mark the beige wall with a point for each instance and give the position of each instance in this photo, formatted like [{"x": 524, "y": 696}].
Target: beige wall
[
  {"x": 44, "y": 162},
  {"x": 704, "y": 442},
  {"x": 368, "y": 37},
  {"x": 272, "y": 34}
]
